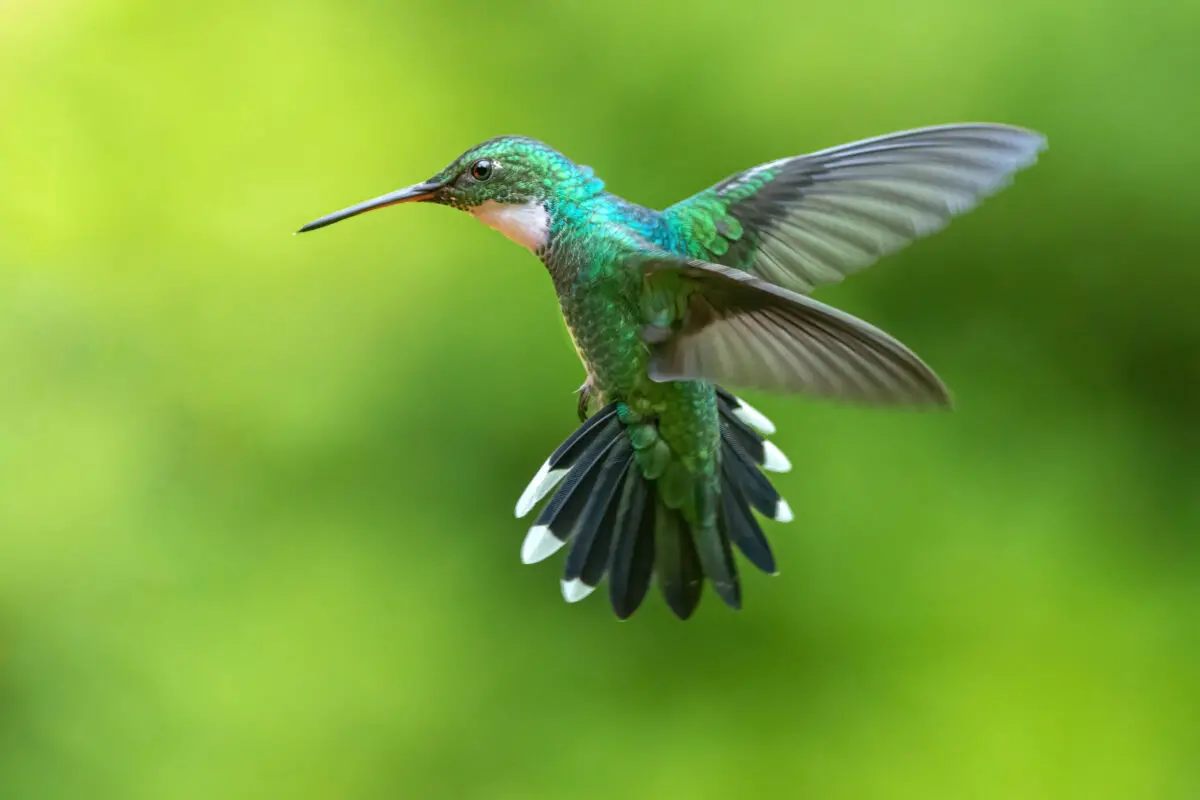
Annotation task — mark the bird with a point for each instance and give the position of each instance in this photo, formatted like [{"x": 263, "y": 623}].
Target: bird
[{"x": 667, "y": 309}]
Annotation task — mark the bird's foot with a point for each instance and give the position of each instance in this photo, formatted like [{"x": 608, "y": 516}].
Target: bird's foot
[{"x": 585, "y": 399}]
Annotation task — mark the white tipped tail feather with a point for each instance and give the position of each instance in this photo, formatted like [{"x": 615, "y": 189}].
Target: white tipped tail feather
[
  {"x": 774, "y": 460},
  {"x": 575, "y": 590},
  {"x": 783, "y": 512},
  {"x": 539, "y": 545},
  {"x": 753, "y": 417},
  {"x": 545, "y": 480}
]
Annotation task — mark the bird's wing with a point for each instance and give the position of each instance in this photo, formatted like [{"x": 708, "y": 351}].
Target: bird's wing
[
  {"x": 714, "y": 323},
  {"x": 810, "y": 220}
]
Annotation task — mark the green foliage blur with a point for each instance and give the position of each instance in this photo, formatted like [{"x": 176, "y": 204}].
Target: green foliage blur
[{"x": 256, "y": 537}]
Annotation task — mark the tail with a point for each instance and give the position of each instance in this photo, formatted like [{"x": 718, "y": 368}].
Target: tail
[{"x": 610, "y": 510}]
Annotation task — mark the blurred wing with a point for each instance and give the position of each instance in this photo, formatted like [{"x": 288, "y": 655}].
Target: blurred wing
[
  {"x": 741, "y": 331},
  {"x": 807, "y": 221}
]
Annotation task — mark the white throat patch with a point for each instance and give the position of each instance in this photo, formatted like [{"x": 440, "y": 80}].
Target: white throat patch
[{"x": 527, "y": 224}]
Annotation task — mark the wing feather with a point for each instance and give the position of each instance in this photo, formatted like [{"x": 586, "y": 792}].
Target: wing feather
[
  {"x": 811, "y": 220},
  {"x": 740, "y": 330}
]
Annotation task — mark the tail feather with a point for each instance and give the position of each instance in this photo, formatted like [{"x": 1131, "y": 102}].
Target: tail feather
[
  {"x": 749, "y": 440},
  {"x": 620, "y": 524},
  {"x": 712, "y": 540},
  {"x": 734, "y": 417},
  {"x": 632, "y": 563},
  {"x": 746, "y": 413},
  {"x": 744, "y": 529},
  {"x": 562, "y": 459},
  {"x": 755, "y": 485},
  {"x": 592, "y": 531},
  {"x": 748, "y": 427},
  {"x": 716, "y": 558},
  {"x": 680, "y": 577},
  {"x": 554, "y": 524},
  {"x": 595, "y": 567}
]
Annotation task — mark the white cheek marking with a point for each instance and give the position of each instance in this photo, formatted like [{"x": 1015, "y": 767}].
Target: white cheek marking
[{"x": 527, "y": 224}]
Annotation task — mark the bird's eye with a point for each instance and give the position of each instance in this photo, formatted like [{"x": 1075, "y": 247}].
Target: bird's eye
[{"x": 481, "y": 170}]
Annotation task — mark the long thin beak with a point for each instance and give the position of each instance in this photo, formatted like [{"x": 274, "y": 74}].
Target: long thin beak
[{"x": 410, "y": 194}]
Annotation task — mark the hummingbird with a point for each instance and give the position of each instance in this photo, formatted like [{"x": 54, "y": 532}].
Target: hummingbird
[{"x": 666, "y": 308}]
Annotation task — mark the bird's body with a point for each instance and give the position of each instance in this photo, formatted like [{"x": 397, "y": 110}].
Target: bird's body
[
  {"x": 664, "y": 305},
  {"x": 602, "y": 302}
]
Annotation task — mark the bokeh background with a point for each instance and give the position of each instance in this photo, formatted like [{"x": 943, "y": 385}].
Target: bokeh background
[{"x": 256, "y": 536}]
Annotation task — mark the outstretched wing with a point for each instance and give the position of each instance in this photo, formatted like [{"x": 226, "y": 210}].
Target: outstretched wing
[
  {"x": 810, "y": 220},
  {"x": 714, "y": 323}
]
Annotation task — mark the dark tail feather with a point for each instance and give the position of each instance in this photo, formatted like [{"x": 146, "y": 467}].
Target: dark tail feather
[
  {"x": 742, "y": 485},
  {"x": 712, "y": 541},
  {"x": 743, "y": 529},
  {"x": 716, "y": 557},
  {"x": 632, "y": 561},
  {"x": 618, "y": 524},
  {"x": 564, "y": 457},
  {"x": 574, "y": 444},
  {"x": 590, "y": 534},
  {"x": 741, "y": 420},
  {"x": 680, "y": 577},
  {"x": 744, "y": 450},
  {"x": 554, "y": 524},
  {"x": 743, "y": 473},
  {"x": 732, "y": 428}
]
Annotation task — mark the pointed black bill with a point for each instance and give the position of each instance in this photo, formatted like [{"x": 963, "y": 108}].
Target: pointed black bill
[{"x": 409, "y": 194}]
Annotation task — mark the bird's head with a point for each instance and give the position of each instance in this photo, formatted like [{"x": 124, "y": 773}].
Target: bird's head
[{"x": 512, "y": 183}]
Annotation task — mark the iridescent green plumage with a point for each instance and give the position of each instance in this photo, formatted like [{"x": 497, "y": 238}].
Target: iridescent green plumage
[{"x": 664, "y": 306}]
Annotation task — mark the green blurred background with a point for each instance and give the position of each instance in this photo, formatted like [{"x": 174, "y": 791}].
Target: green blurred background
[{"x": 256, "y": 536}]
